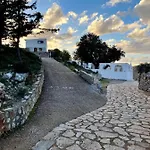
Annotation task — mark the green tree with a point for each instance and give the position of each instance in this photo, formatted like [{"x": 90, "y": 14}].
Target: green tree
[
  {"x": 65, "y": 56},
  {"x": 143, "y": 68},
  {"x": 57, "y": 54},
  {"x": 5, "y": 17},
  {"x": 24, "y": 20},
  {"x": 92, "y": 49}
]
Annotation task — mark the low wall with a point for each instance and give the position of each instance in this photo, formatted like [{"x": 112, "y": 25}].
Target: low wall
[
  {"x": 144, "y": 83},
  {"x": 11, "y": 118},
  {"x": 87, "y": 77}
]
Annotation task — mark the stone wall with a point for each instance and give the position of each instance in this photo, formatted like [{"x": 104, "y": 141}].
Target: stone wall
[
  {"x": 144, "y": 83},
  {"x": 15, "y": 116},
  {"x": 87, "y": 77}
]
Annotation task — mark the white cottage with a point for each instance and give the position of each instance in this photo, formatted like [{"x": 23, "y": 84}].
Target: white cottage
[{"x": 36, "y": 45}]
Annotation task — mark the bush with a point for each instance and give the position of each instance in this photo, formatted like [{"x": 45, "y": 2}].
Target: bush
[
  {"x": 21, "y": 67},
  {"x": 9, "y": 60}
]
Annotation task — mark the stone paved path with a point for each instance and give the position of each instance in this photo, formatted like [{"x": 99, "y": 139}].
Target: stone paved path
[
  {"x": 65, "y": 96},
  {"x": 122, "y": 124}
]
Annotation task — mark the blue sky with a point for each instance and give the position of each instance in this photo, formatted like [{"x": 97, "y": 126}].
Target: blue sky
[{"x": 125, "y": 23}]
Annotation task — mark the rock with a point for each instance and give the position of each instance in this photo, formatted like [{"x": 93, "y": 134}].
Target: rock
[
  {"x": 105, "y": 141},
  {"x": 62, "y": 142},
  {"x": 83, "y": 130},
  {"x": 20, "y": 77},
  {"x": 91, "y": 145},
  {"x": 104, "y": 134},
  {"x": 120, "y": 131},
  {"x": 118, "y": 142},
  {"x": 69, "y": 133},
  {"x": 134, "y": 147},
  {"x": 74, "y": 147},
  {"x": 89, "y": 136},
  {"x": 111, "y": 147},
  {"x": 8, "y": 75},
  {"x": 43, "y": 145}
]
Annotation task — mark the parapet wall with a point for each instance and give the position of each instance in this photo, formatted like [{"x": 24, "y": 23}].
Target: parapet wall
[{"x": 15, "y": 116}]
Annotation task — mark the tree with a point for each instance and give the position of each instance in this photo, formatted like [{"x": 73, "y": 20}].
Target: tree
[
  {"x": 5, "y": 17},
  {"x": 65, "y": 56},
  {"x": 56, "y": 54},
  {"x": 92, "y": 49},
  {"x": 23, "y": 21},
  {"x": 143, "y": 68}
]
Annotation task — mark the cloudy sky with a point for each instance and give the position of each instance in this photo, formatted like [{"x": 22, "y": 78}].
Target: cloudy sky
[{"x": 125, "y": 23}]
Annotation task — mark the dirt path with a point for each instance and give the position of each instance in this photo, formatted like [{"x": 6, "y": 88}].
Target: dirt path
[{"x": 65, "y": 96}]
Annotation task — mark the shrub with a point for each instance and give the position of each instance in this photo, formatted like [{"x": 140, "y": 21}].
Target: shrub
[{"x": 21, "y": 67}]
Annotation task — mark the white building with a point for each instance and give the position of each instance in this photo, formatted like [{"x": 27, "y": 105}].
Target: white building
[
  {"x": 118, "y": 71},
  {"x": 36, "y": 45}
]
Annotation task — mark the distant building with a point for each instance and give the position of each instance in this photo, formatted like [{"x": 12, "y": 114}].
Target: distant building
[{"x": 36, "y": 45}]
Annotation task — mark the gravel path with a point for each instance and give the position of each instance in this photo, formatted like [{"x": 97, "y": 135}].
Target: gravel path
[
  {"x": 65, "y": 96},
  {"x": 122, "y": 124}
]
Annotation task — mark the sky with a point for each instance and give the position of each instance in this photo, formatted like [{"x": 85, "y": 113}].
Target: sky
[{"x": 124, "y": 23}]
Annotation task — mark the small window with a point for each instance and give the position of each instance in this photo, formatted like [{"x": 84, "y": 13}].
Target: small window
[
  {"x": 40, "y": 49},
  {"x": 35, "y": 49},
  {"x": 106, "y": 67},
  {"x": 40, "y": 42},
  {"x": 118, "y": 68}
]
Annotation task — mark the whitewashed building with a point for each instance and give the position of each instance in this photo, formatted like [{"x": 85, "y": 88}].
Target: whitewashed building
[
  {"x": 117, "y": 71},
  {"x": 36, "y": 45}
]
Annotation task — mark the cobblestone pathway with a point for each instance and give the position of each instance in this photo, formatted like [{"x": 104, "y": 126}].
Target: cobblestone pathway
[{"x": 122, "y": 124}]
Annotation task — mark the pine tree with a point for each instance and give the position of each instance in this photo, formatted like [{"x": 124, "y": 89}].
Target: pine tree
[{"x": 24, "y": 21}]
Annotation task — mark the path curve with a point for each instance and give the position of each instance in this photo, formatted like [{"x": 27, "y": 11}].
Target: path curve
[
  {"x": 65, "y": 96},
  {"x": 122, "y": 124}
]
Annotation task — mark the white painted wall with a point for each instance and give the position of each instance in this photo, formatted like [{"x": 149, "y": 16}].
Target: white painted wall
[
  {"x": 31, "y": 44},
  {"x": 113, "y": 72}
]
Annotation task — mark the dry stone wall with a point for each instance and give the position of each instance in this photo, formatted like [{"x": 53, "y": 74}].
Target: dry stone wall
[
  {"x": 144, "y": 83},
  {"x": 15, "y": 116}
]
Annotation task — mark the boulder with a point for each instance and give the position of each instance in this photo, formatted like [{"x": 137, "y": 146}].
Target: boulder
[{"x": 20, "y": 77}]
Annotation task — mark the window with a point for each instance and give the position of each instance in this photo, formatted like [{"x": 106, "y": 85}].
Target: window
[
  {"x": 118, "y": 68},
  {"x": 106, "y": 67},
  {"x": 35, "y": 49},
  {"x": 40, "y": 49},
  {"x": 40, "y": 42}
]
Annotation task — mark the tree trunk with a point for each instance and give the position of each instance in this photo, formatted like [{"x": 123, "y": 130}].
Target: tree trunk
[{"x": 18, "y": 49}]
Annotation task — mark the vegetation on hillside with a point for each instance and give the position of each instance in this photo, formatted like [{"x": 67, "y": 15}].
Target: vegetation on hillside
[
  {"x": 10, "y": 61},
  {"x": 59, "y": 55}
]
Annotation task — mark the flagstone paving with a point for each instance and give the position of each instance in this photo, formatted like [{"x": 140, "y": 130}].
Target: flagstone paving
[{"x": 122, "y": 124}]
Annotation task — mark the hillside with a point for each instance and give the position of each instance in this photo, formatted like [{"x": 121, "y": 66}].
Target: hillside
[{"x": 9, "y": 59}]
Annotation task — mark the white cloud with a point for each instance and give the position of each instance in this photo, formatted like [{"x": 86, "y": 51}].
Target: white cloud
[
  {"x": 72, "y": 14},
  {"x": 54, "y": 17},
  {"x": 111, "y": 42},
  {"x": 83, "y": 13},
  {"x": 138, "y": 33},
  {"x": 83, "y": 19},
  {"x": 94, "y": 15},
  {"x": 143, "y": 11},
  {"x": 114, "y": 2},
  {"x": 112, "y": 24},
  {"x": 71, "y": 30},
  {"x": 135, "y": 59},
  {"x": 140, "y": 46},
  {"x": 102, "y": 26}
]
